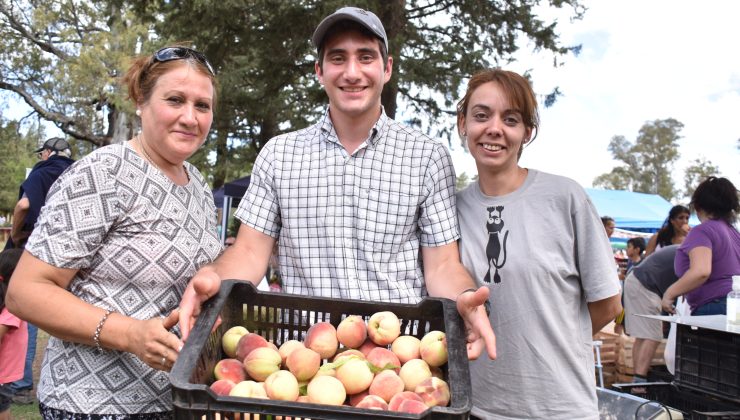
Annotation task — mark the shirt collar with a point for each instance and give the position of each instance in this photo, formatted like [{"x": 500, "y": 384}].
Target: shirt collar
[{"x": 374, "y": 135}]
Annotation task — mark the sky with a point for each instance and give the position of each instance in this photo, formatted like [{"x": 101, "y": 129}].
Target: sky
[{"x": 640, "y": 61}]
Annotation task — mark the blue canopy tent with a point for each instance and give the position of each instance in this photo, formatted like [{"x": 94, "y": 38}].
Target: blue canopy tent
[
  {"x": 632, "y": 211},
  {"x": 228, "y": 196}
]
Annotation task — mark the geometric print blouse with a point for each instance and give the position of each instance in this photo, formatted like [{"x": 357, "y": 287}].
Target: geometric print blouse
[{"x": 136, "y": 239}]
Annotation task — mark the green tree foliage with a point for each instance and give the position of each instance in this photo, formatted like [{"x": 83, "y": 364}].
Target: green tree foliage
[
  {"x": 697, "y": 171},
  {"x": 462, "y": 181},
  {"x": 17, "y": 155},
  {"x": 648, "y": 163},
  {"x": 265, "y": 59},
  {"x": 63, "y": 59}
]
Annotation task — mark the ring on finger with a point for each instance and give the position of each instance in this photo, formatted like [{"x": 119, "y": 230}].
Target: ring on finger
[{"x": 164, "y": 360}]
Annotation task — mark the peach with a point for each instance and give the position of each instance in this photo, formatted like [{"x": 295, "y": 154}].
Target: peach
[
  {"x": 326, "y": 390},
  {"x": 322, "y": 338},
  {"x": 262, "y": 362},
  {"x": 433, "y": 348},
  {"x": 406, "y": 347},
  {"x": 412, "y": 406},
  {"x": 413, "y": 372},
  {"x": 287, "y": 347},
  {"x": 355, "y": 375},
  {"x": 383, "y": 358},
  {"x": 352, "y": 331},
  {"x": 347, "y": 354},
  {"x": 231, "y": 338},
  {"x": 222, "y": 386},
  {"x": 397, "y": 399},
  {"x": 367, "y": 346},
  {"x": 249, "y": 342},
  {"x": 386, "y": 384},
  {"x": 434, "y": 392},
  {"x": 250, "y": 389},
  {"x": 383, "y": 327},
  {"x": 282, "y": 385},
  {"x": 356, "y": 398},
  {"x": 373, "y": 402},
  {"x": 303, "y": 363},
  {"x": 230, "y": 369}
]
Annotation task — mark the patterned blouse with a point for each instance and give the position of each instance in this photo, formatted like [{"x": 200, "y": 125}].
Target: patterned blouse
[{"x": 135, "y": 238}]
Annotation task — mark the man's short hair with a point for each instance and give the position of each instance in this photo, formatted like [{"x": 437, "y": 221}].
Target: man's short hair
[{"x": 638, "y": 243}]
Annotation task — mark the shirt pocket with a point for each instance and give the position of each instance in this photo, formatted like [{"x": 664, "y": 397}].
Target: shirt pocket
[{"x": 386, "y": 219}]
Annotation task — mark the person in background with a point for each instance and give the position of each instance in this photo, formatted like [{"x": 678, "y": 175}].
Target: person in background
[
  {"x": 710, "y": 255},
  {"x": 55, "y": 158},
  {"x": 609, "y": 225},
  {"x": 546, "y": 301},
  {"x": 13, "y": 335},
  {"x": 121, "y": 233},
  {"x": 673, "y": 232},
  {"x": 635, "y": 250},
  {"x": 362, "y": 207},
  {"x": 643, "y": 289}
]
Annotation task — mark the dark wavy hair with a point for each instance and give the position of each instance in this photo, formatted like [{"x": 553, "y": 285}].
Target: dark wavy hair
[
  {"x": 667, "y": 231},
  {"x": 718, "y": 198},
  {"x": 8, "y": 260}
]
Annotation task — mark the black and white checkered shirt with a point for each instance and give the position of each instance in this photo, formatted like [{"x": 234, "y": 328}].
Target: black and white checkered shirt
[{"x": 350, "y": 226}]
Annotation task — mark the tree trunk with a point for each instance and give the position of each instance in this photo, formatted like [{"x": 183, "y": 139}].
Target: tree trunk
[
  {"x": 393, "y": 15},
  {"x": 122, "y": 129}
]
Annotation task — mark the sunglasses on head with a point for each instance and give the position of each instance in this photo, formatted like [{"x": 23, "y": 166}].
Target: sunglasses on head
[{"x": 180, "y": 53}]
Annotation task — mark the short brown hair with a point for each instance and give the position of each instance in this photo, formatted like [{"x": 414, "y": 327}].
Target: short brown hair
[{"x": 516, "y": 88}]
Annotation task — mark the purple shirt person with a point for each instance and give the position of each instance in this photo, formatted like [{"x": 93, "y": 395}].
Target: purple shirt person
[{"x": 710, "y": 255}]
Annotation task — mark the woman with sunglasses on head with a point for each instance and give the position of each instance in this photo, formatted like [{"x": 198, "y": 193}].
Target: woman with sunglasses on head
[{"x": 122, "y": 232}]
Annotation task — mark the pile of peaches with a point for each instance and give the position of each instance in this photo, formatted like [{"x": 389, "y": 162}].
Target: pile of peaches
[{"x": 374, "y": 368}]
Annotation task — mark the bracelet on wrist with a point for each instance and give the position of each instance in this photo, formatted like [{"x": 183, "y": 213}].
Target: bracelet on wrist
[{"x": 98, "y": 329}]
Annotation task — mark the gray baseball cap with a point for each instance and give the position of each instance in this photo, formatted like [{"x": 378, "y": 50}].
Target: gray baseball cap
[
  {"x": 55, "y": 144},
  {"x": 363, "y": 17}
]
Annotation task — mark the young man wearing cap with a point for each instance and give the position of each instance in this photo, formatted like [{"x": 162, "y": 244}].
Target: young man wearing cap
[
  {"x": 363, "y": 207},
  {"x": 55, "y": 159}
]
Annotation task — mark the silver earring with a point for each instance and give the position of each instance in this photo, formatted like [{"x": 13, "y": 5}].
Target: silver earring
[{"x": 138, "y": 113}]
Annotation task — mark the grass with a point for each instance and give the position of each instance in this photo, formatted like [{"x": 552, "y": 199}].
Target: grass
[{"x": 25, "y": 412}]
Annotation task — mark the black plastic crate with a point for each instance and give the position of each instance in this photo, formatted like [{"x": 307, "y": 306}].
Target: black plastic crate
[
  {"x": 709, "y": 361},
  {"x": 694, "y": 405},
  {"x": 280, "y": 317}
]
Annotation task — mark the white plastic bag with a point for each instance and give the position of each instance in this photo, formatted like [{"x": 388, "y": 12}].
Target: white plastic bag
[{"x": 682, "y": 309}]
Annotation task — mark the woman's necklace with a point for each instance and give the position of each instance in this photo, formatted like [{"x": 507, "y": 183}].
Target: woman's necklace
[{"x": 149, "y": 159}]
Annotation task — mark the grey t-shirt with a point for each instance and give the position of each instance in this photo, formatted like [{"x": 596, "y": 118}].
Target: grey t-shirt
[
  {"x": 545, "y": 245},
  {"x": 136, "y": 239},
  {"x": 656, "y": 271}
]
